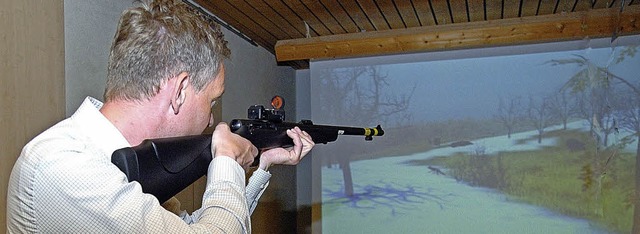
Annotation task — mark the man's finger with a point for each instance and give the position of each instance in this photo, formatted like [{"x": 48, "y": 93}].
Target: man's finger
[{"x": 297, "y": 141}]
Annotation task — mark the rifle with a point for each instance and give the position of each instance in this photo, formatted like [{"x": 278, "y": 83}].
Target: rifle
[{"x": 166, "y": 166}]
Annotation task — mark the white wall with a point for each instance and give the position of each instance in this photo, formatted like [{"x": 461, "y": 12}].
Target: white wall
[
  {"x": 89, "y": 28},
  {"x": 304, "y": 175}
]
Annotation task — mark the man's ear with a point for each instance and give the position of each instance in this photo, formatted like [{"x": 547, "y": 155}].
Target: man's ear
[{"x": 179, "y": 93}]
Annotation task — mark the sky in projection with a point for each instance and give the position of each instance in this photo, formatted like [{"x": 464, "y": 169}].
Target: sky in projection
[{"x": 473, "y": 87}]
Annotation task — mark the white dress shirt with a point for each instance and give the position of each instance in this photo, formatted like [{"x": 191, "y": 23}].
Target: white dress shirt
[{"x": 64, "y": 182}]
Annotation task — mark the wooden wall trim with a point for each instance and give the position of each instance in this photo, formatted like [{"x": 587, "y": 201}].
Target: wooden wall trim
[
  {"x": 32, "y": 85},
  {"x": 526, "y": 30}
]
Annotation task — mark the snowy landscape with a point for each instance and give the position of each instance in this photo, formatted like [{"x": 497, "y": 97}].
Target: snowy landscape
[
  {"x": 391, "y": 197},
  {"x": 479, "y": 142}
]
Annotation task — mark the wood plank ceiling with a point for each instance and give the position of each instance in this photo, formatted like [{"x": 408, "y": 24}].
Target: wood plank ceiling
[{"x": 265, "y": 22}]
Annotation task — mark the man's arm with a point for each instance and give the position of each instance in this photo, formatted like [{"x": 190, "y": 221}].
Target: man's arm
[
  {"x": 96, "y": 196},
  {"x": 302, "y": 144},
  {"x": 258, "y": 183},
  {"x": 224, "y": 205},
  {"x": 224, "y": 197}
]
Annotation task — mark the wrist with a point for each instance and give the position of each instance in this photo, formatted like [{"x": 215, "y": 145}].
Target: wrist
[{"x": 264, "y": 164}]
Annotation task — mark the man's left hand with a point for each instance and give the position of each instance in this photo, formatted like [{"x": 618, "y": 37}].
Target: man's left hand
[{"x": 291, "y": 156}]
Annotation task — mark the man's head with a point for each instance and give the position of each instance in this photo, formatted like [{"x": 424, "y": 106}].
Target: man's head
[{"x": 160, "y": 40}]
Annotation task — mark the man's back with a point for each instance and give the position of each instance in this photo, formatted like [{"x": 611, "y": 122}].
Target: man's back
[{"x": 58, "y": 176}]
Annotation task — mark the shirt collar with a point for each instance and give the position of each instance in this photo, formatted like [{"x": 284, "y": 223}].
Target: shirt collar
[{"x": 97, "y": 127}]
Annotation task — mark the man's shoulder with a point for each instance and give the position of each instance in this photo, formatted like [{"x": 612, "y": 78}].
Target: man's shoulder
[
  {"x": 61, "y": 131},
  {"x": 62, "y": 137},
  {"x": 60, "y": 148}
]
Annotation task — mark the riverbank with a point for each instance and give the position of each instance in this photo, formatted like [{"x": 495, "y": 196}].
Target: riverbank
[{"x": 575, "y": 182}]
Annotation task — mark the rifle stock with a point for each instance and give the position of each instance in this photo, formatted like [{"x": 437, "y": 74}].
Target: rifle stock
[{"x": 166, "y": 166}]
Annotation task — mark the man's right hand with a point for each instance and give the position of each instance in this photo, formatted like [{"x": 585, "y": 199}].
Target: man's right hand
[{"x": 226, "y": 143}]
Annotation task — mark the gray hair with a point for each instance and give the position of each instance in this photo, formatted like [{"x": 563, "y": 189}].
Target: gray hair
[{"x": 159, "y": 40}]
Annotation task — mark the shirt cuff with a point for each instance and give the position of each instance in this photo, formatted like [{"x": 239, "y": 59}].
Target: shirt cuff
[
  {"x": 224, "y": 168},
  {"x": 262, "y": 172}
]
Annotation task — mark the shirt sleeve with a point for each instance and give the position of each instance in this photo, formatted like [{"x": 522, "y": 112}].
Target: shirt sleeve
[
  {"x": 257, "y": 185},
  {"x": 79, "y": 194},
  {"x": 224, "y": 205}
]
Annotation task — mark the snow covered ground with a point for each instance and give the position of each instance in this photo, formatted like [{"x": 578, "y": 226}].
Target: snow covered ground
[
  {"x": 493, "y": 145},
  {"x": 391, "y": 197}
]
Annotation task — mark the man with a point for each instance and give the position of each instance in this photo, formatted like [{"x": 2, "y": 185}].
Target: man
[{"x": 165, "y": 73}]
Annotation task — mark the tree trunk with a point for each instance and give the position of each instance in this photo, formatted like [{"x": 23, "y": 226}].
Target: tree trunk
[
  {"x": 346, "y": 173},
  {"x": 636, "y": 197},
  {"x": 540, "y": 138}
]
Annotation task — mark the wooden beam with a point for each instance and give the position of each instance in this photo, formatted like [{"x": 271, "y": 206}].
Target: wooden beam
[{"x": 528, "y": 30}]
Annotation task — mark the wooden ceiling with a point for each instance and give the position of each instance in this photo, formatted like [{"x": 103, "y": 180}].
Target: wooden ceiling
[{"x": 299, "y": 30}]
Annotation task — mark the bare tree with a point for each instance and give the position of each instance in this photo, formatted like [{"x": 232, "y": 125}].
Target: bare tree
[
  {"x": 509, "y": 113},
  {"x": 631, "y": 121},
  {"x": 359, "y": 96},
  {"x": 562, "y": 106},
  {"x": 596, "y": 107},
  {"x": 539, "y": 115},
  {"x": 595, "y": 84}
]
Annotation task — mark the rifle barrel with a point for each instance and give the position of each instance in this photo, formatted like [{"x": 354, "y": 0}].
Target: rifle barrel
[{"x": 367, "y": 132}]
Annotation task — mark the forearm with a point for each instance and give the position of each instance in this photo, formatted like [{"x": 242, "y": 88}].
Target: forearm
[
  {"x": 224, "y": 205},
  {"x": 257, "y": 185}
]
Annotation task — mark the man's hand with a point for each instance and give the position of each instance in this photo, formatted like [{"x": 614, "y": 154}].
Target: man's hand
[
  {"x": 226, "y": 143},
  {"x": 302, "y": 145}
]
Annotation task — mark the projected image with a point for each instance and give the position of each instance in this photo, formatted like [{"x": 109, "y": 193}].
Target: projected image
[{"x": 535, "y": 143}]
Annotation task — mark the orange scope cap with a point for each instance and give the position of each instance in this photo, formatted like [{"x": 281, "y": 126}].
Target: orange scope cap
[{"x": 277, "y": 102}]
